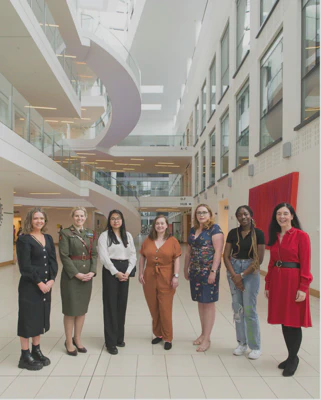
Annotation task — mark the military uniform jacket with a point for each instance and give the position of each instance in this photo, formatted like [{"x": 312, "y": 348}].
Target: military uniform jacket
[{"x": 78, "y": 254}]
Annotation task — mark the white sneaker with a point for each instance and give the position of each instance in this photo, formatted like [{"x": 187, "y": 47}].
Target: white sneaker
[
  {"x": 255, "y": 354},
  {"x": 240, "y": 350}
]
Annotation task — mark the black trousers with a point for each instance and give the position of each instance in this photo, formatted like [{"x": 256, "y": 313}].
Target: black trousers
[{"x": 115, "y": 295}]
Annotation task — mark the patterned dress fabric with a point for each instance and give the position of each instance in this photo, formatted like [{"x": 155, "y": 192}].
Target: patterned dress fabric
[{"x": 202, "y": 254}]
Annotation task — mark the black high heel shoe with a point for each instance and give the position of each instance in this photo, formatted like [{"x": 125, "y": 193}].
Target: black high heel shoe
[
  {"x": 80, "y": 349},
  {"x": 71, "y": 353}
]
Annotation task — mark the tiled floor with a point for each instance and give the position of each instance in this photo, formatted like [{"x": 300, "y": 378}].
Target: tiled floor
[{"x": 141, "y": 370}]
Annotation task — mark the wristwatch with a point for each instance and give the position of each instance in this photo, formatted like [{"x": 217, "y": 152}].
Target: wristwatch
[
  {"x": 214, "y": 270},
  {"x": 175, "y": 275},
  {"x": 242, "y": 275}
]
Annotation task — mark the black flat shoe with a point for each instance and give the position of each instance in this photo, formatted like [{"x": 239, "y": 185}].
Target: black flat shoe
[
  {"x": 28, "y": 362},
  {"x": 167, "y": 345},
  {"x": 80, "y": 349},
  {"x": 38, "y": 356},
  {"x": 156, "y": 340},
  {"x": 291, "y": 367},
  {"x": 282, "y": 365},
  {"x": 112, "y": 350},
  {"x": 71, "y": 353},
  {"x": 122, "y": 344}
]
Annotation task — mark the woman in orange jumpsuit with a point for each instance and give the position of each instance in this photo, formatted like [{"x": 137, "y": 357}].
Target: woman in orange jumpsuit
[{"x": 160, "y": 278}]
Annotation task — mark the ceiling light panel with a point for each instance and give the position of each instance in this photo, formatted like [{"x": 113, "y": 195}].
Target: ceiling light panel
[
  {"x": 152, "y": 89},
  {"x": 151, "y": 107}
]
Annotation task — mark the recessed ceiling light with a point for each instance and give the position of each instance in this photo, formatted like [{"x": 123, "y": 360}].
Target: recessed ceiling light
[
  {"x": 164, "y": 172},
  {"x": 129, "y": 169},
  {"x": 52, "y": 25},
  {"x": 105, "y": 160},
  {"x": 85, "y": 76},
  {"x": 137, "y": 159},
  {"x": 120, "y": 163},
  {"x": 21, "y": 119},
  {"x": 80, "y": 63},
  {"x": 100, "y": 167},
  {"x": 136, "y": 165},
  {"x": 83, "y": 109},
  {"x": 167, "y": 166},
  {"x": 67, "y": 122},
  {"x": 87, "y": 154},
  {"x": 167, "y": 163},
  {"x": 51, "y": 120},
  {"x": 86, "y": 119},
  {"x": 151, "y": 107},
  {"x": 65, "y": 56},
  {"x": 89, "y": 162},
  {"x": 116, "y": 170},
  {"x": 152, "y": 89},
  {"x": 42, "y": 108},
  {"x": 18, "y": 205},
  {"x": 44, "y": 193}
]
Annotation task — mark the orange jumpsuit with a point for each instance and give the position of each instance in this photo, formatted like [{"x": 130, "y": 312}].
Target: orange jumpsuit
[{"x": 158, "y": 291}]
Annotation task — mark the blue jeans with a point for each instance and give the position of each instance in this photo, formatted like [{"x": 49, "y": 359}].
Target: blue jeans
[{"x": 244, "y": 305}]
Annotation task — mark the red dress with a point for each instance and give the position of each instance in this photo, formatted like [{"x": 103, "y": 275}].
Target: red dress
[{"x": 283, "y": 283}]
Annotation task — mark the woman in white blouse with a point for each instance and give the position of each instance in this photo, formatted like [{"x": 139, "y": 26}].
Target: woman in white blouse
[{"x": 118, "y": 255}]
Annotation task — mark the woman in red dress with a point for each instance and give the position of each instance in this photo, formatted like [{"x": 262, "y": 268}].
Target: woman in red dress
[{"x": 288, "y": 280}]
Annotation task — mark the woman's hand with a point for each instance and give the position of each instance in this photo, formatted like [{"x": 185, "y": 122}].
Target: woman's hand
[
  {"x": 88, "y": 277},
  {"x": 266, "y": 293},
  {"x": 186, "y": 274},
  {"x": 124, "y": 277},
  {"x": 43, "y": 287},
  {"x": 141, "y": 278},
  {"x": 300, "y": 296},
  {"x": 80, "y": 276},
  {"x": 211, "y": 278},
  {"x": 174, "y": 283},
  {"x": 238, "y": 281},
  {"x": 50, "y": 283},
  {"x": 120, "y": 276}
]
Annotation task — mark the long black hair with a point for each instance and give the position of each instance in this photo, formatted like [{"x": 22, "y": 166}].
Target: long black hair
[
  {"x": 254, "y": 248},
  {"x": 275, "y": 227},
  {"x": 112, "y": 238}
]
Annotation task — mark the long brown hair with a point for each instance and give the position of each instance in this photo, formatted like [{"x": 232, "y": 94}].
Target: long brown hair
[
  {"x": 209, "y": 223},
  {"x": 256, "y": 260},
  {"x": 27, "y": 226},
  {"x": 153, "y": 234}
]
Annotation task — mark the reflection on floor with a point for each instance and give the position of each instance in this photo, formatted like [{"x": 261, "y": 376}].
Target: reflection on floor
[{"x": 141, "y": 370}]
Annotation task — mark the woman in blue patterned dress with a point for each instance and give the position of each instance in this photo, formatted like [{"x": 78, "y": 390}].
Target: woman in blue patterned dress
[{"x": 202, "y": 269}]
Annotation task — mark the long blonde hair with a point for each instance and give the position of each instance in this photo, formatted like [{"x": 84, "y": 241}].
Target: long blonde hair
[
  {"x": 209, "y": 223},
  {"x": 27, "y": 226}
]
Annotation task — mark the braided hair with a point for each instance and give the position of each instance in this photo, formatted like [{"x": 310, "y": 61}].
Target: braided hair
[{"x": 254, "y": 247}]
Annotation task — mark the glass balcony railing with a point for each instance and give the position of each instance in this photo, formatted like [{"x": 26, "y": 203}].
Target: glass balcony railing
[
  {"x": 91, "y": 24},
  {"x": 151, "y": 140},
  {"x": 51, "y": 30}
]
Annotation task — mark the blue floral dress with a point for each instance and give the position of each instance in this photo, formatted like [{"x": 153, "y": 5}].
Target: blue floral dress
[{"x": 201, "y": 262}]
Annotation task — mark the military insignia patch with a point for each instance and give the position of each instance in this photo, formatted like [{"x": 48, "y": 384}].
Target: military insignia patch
[{"x": 89, "y": 234}]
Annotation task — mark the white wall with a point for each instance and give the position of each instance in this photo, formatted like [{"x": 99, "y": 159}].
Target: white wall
[{"x": 6, "y": 228}]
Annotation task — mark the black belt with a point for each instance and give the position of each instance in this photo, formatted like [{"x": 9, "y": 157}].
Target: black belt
[{"x": 285, "y": 264}]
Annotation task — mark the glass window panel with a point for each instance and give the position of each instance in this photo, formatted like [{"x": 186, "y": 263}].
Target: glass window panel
[
  {"x": 266, "y": 7},
  {"x": 203, "y": 159},
  {"x": 224, "y": 144},
  {"x": 197, "y": 113},
  {"x": 212, "y": 158},
  {"x": 272, "y": 93},
  {"x": 204, "y": 106},
  {"x": 242, "y": 125},
  {"x": 243, "y": 30},
  {"x": 310, "y": 58},
  {"x": 225, "y": 61},
  {"x": 213, "y": 86},
  {"x": 196, "y": 173}
]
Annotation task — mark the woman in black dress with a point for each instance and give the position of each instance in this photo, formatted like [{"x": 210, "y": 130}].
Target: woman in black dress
[{"x": 38, "y": 267}]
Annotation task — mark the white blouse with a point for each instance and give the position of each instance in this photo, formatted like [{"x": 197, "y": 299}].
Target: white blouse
[{"x": 116, "y": 252}]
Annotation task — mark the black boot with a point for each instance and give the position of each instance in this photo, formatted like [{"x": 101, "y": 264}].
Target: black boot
[
  {"x": 38, "y": 356},
  {"x": 28, "y": 362},
  {"x": 291, "y": 367}
]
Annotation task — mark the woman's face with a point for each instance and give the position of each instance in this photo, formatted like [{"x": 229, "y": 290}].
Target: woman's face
[
  {"x": 115, "y": 221},
  {"x": 284, "y": 217},
  {"x": 244, "y": 217},
  {"x": 161, "y": 225},
  {"x": 202, "y": 215},
  {"x": 38, "y": 220},
  {"x": 79, "y": 218}
]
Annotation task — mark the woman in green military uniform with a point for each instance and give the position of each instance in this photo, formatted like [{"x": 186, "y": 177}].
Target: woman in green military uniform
[{"x": 78, "y": 254}]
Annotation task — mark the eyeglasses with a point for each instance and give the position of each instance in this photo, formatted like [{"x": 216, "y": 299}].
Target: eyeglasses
[
  {"x": 200, "y": 213},
  {"x": 115, "y": 219}
]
